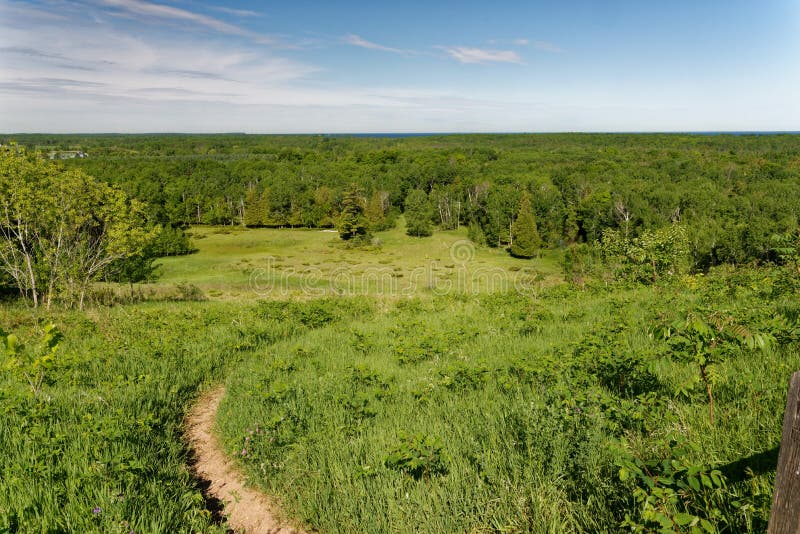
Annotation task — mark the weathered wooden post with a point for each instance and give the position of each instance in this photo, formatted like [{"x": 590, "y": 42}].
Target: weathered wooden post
[{"x": 785, "y": 514}]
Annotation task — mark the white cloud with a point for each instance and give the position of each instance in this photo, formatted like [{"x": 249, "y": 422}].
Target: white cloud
[
  {"x": 245, "y": 13},
  {"x": 479, "y": 55},
  {"x": 24, "y": 12},
  {"x": 161, "y": 11},
  {"x": 356, "y": 40},
  {"x": 521, "y": 42},
  {"x": 87, "y": 60}
]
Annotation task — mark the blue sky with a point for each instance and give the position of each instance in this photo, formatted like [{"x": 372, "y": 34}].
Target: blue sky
[{"x": 435, "y": 66}]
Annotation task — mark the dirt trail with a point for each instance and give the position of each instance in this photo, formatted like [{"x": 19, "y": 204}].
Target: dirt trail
[{"x": 248, "y": 511}]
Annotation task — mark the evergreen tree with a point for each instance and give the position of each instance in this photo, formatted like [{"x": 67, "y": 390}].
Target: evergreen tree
[
  {"x": 418, "y": 214},
  {"x": 352, "y": 222},
  {"x": 525, "y": 236}
]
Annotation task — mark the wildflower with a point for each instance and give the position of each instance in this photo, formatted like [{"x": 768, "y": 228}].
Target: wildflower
[
  {"x": 244, "y": 452},
  {"x": 96, "y": 510}
]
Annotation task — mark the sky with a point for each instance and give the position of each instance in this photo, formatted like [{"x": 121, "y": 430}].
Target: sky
[{"x": 402, "y": 66}]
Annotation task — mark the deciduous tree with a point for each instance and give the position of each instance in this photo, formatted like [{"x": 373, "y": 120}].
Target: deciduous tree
[
  {"x": 61, "y": 229},
  {"x": 418, "y": 214}
]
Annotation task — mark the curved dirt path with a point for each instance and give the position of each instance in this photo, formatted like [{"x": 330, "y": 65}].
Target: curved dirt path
[{"x": 247, "y": 510}]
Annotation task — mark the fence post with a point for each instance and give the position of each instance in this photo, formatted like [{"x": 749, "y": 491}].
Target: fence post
[{"x": 785, "y": 514}]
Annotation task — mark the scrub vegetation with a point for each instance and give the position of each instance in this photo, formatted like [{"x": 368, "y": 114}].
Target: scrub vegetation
[{"x": 570, "y": 333}]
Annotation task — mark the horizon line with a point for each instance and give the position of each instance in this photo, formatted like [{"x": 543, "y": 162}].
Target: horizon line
[{"x": 432, "y": 133}]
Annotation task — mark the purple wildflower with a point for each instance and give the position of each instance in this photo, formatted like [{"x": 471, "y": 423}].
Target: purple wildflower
[{"x": 96, "y": 510}]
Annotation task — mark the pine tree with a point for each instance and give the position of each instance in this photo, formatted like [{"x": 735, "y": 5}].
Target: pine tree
[
  {"x": 418, "y": 214},
  {"x": 525, "y": 236},
  {"x": 352, "y": 222}
]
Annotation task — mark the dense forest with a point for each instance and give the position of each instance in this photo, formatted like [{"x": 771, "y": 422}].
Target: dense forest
[{"x": 732, "y": 194}]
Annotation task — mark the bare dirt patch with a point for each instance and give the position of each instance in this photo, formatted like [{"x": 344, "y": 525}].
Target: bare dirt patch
[{"x": 247, "y": 510}]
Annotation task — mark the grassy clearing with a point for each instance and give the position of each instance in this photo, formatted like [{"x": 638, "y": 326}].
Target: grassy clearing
[{"x": 237, "y": 263}]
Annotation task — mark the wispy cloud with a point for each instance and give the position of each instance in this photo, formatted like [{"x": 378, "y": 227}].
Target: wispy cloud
[
  {"x": 22, "y": 10},
  {"x": 196, "y": 74},
  {"x": 244, "y": 13},
  {"x": 544, "y": 46},
  {"x": 356, "y": 40},
  {"x": 161, "y": 11},
  {"x": 466, "y": 54},
  {"x": 547, "y": 47},
  {"x": 30, "y": 52}
]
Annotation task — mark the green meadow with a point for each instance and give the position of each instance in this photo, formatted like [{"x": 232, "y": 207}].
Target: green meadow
[
  {"x": 518, "y": 404},
  {"x": 234, "y": 262}
]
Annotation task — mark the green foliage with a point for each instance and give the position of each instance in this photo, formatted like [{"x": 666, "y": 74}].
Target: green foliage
[
  {"x": 580, "y": 263},
  {"x": 418, "y": 455},
  {"x": 786, "y": 249},
  {"x": 376, "y": 212},
  {"x": 256, "y": 208},
  {"x": 170, "y": 241},
  {"x": 524, "y": 235},
  {"x": 32, "y": 365},
  {"x": 476, "y": 235},
  {"x": 649, "y": 257},
  {"x": 353, "y": 223},
  {"x": 418, "y": 214},
  {"x": 705, "y": 342},
  {"x": 732, "y": 193},
  {"x": 60, "y": 229},
  {"x": 673, "y": 494}
]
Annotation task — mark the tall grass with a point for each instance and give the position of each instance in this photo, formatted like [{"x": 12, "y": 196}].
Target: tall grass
[
  {"x": 496, "y": 412},
  {"x": 100, "y": 448},
  {"x": 503, "y": 410}
]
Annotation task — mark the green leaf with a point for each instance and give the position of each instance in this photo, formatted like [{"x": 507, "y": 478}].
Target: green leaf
[
  {"x": 12, "y": 344},
  {"x": 683, "y": 518}
]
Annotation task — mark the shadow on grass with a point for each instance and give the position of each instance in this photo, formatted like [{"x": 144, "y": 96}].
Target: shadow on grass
[{"x": 757, "y": 464}]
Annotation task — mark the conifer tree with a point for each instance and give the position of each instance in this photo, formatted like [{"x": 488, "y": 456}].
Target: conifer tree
[
  {"x": 524, "y": 234},
  {"x": 352, "y": 222}
]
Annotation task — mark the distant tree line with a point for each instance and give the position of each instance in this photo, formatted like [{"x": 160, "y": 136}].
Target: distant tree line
[{"x": 730, "y": 193}]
